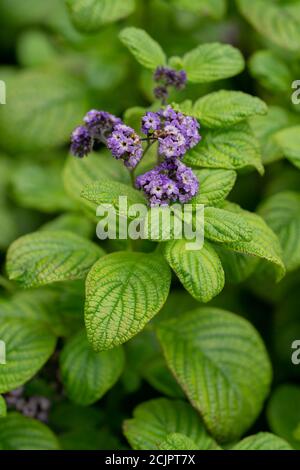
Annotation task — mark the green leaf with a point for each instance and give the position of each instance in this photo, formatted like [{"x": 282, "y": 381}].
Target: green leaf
[
  {"x": 212, "y": 8},
  {"x": 237, "y": 266},
  {"x": 231, "y": 149},
  {"x": 146, "y": 51},
  {"x": 177, "y": 441},
  {"x": 90, "y": 15},
  {"x": 271, "y": 71},
  {"x": 44, "y": 257},
  {"x": 273, "y": 21},
  {"x": 208, "y": 350},
  {"x": 123, "y": 292},
  {"x": 282, "y": 214},
  {"x": 156, "y": 373},
  {"x": 28, "y": 346},
  {"x": 20, "y": 433},
  {"x": 78, "y": 173},
  {"x": 224, "y": 108},
  {"x": 262, "y": 441},
  {"x": 36, "y": 102},
  {"x": 283, "y": 413},
  {"x": 2, "y": 408},
  {"x": 215, "y": 185},
  {"x": 214, "y": 61},
  {"x": 225, "y": 226},
  {"x": 154, "y": 420},
  {"x": 87, "y": 375},
  {"x": 289, "y": 142},
  {"x": 200, "y": 271},
  {"x": 71, "y": 222},
  {"x": 265, "y": 128}
]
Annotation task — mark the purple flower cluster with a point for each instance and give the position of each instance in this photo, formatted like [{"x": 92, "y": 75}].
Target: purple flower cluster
[
  {"x": 167, "y": 77},
  {"x": 125, "y": 144},
  {"x": 34, "y": 407},
  {"x": 168, "y": 182},
  {"x": 175, "y": 132},
  {"x": 98, "y": 125}
]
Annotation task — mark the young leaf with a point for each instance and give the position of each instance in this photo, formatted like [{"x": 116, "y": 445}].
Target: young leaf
[
  {"x": 36, "y": 102},
  {"x": 224, "y": 108},
  {"x": 225, "y": 226},
  {"x": 28, "y": 346},
  {"x": 123, "y": 292},
  {"x": 213, "y": 61},
  {"x": 44, "y": 257},
  {"x": 282, "y": 214},
  {"x": 200, "y": 271},
  {"x": 271, "y": 71},
  {"x": 208, "y": 350},
  {"x": 231, "y": 149},
  {"x": 146, "y": 51},
  {"x": 154, "y": 420},
  {"x": 86, "y": 374},
  {"x": 2, "y": 408},
  {"x": 272, "y": 21},
  {"x": 18, "y": 432},
  {"x": 262, "y": 441},
  {"x": 289, "y": 142},
  {"x": 215, "y": 185},
  {"x": 177, "y": 441},
  {"x": 90, "y": 15}
]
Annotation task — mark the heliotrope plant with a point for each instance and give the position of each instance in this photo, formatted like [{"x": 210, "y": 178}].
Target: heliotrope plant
[{"x": 157, "y": 156}]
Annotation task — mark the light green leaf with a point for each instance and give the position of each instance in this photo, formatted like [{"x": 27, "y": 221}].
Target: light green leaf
[
  {"x": 20, "y": 433},
  {"x": 154, "y": 420},
  {"x": 72, "y": 222},
  {"x": 177, "y": 441},
  {"x": 237, "y": 266},
  {"x": 272, "y": 21},
  {"x": 215, "y": 185},
  {"x": 225, "y": 226},
  {"x": 208, "y": 350},
  {"x": 2, "y": 408},
  {"x": 200, "y": 271},
  {"x": 224, "y": 108},
  {"x": 123, "y": 292},
  {"x": 78, "y": 173},
  {"x": 214, "y": 61},
  {"x": 212, "y": 8},
  {"x": 262, "y": 441},
  {"x": 289, "y": 142},
  {"x": 87, "y": 375},
  {"x": 271, "y": 71},
  {"x": 231, "y": 149},
  {"x": 90, "y": 15},
  {"x": 28, "y": 346},
  {"x": 146, "y": 51},
  {"x": 283, "y": 413},
  {"x": 282, "y": 214},
  {"x": 44, "y": 257},
  {"x": 36, "y": 102}
]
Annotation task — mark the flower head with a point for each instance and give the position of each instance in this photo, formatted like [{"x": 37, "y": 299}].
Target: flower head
[
  {"x": 125, "y": 144},
  {"x": 170, "y": 77},
  {"x": 81, "y": 142},
  {"x": 100, "y": 123}
]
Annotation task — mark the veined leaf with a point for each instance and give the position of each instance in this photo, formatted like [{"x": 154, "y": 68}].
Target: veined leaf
[
  {"x": 214, "y": 61},
  {"x": 272, "y": 21},
  {"x": 200, "y": 271},
  {"x": 271, "y": 71},
  {"x": 289, "y": 142},
  {"x": 28, "y": 346},
  {"x": 225, "y": 226},
  {"x": 36, "y": 102},
  {"x": 123, "y": 292},
  {"x": 146, "y": 51},
  {"x": 154, "y": 420},
  {"x": 224, "y": 108},
  {"x": 215, "y": 185},
  {"x": 231, "y": 149},
  {"x": 2, "y": 408},
  {"x": 89, "y": 15},
  {"x": 177, "y": 441},
  {"x": 262, "y": 441},
  {"x": 20, "y": 433},
  {"x": 43, "y": 257},
  {"x": 71, "y": 222},
  {"x": 282, "y": 214},
  {"x": 86, "y": 374},
  {"x": 237, "y": 266},
  {"x": 208, "y": 350}
]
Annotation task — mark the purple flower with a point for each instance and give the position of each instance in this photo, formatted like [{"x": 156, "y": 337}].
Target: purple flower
[
  {"x": 125, "y": 144},
  {"x": 81, "y": 142},
  {"x": 100, "y": 123},
  {"x": 161, "y": 93},
  {"x": 150, "y": 122},
  {"x": 170, "y": 77},
  {"x": 168, "y": 182}
]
